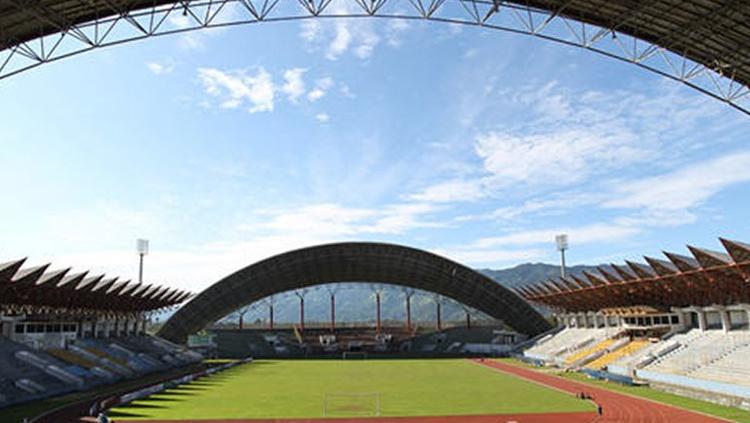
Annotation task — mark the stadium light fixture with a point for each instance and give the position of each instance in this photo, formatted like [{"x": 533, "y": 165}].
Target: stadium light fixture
[
  {"x": 141, "y": 246},
  {"x": 562, "y": 245}
]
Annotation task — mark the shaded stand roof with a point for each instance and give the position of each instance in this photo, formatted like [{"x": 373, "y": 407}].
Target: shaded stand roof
[
  {"x": 71, "y": 292},
  {"x": 705, "y": 278}
]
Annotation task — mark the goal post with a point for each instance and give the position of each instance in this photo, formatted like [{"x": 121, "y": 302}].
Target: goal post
[{"x": 363, "y": 404}]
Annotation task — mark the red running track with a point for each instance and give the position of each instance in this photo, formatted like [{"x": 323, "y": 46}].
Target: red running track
[
  {"x": 500, "y": 418},
  {"x": 617, "y": 408}
]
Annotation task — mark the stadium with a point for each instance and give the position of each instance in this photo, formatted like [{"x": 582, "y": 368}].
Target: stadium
[{"x": 352, "y": 330}]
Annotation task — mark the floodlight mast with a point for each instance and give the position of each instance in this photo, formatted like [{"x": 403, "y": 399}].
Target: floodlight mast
[
  {"x": 141, "y": 246},
  {"x": 562, "y": 245}
]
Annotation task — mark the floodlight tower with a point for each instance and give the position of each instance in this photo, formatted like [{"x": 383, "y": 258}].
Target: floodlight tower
[
  {"x": 141, "y": 246},
  {"x": 562, "y": 245}
]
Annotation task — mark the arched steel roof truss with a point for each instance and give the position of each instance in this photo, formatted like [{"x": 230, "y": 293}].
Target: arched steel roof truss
[
  {"x": 353, "y": 262},
  {"x": 704, "y": 44}
]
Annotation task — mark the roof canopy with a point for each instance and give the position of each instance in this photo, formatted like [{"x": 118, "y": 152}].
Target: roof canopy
[
  {"x": 706, "y": 278},
  {"x": 79, "y": 292},
  {"x": 353, "y": 262},
  {"x": 712, "y": 36}
]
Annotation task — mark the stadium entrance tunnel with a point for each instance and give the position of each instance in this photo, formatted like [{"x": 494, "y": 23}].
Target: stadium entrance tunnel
[{"x": 354, "y": 262}]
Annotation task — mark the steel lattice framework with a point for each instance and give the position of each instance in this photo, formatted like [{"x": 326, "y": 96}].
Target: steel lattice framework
[
  {"x": 707, "y": 278},
  {"x": 353, "y": 262},
  {"x": 704, "y": 44}
]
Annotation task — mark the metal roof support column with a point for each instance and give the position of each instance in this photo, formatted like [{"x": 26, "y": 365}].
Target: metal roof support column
[
  {"x": 270, "y": 316},
  {"x": 333, "y": 312},
  {"x": 408, "y": 294},
  {"x": 439, "y": 317},
  {"x": 301, "y": 311},
  {"x": 377, "y": 305}
]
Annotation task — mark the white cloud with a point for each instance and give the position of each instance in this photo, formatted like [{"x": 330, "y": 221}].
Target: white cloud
[
  {"x": 553, "y": 158},
  {"x": 471, "y": 53},
  {"x": 322, "y": 117},
  {"x": 322, "y": 86},
  {"x": 328, "y": 219},
  {"x": 367, "y": 43},
  {"x": 346, "y": 91},
  {"x": 563, "y": 137},
  {"x": 588, "y": 234},
  {"x": 160, "y": 68},
  {"x": 270, "y": 232},
  {"x": 393, "y": 31},
  {"x": 257, "y": 91},
  {"x": 294, "y": 85},
  {"x": 451, "y": 191},
  {"x": 310, "y": 30},
  {"x": 340, "y": 42},
  {"x": 554, "y": 205},
  {"x": 337, "y": 37},
  {"x": 237, "y": 87},
  {"x": 493, "y": 257},
  {"x": 683, "y": 188}
]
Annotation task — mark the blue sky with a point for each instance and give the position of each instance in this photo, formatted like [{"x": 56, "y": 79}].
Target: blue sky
[{"x": 227, "y": 146}]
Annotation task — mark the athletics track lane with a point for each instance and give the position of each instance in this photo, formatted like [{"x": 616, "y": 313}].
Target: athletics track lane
[{"x": 618, "y": 408}]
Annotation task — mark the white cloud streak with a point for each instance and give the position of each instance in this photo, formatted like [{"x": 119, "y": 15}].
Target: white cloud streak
[
  {"x": 294, "y": 85},
  {"x": 160, "y": 68},
  {"x": 237, "y": 88},
  {"x": 257, "y": 91},
  {"x": 686, "y": 187},
  {"x": 322, "y": 86}
]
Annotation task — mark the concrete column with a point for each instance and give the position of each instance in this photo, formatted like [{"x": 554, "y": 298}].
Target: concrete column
[
  {"x": 684, "y": 316},
  {"x": 702, "y": 325},
  {"x": 606, "y": 321},
  {"x": 726, "y": 323}
]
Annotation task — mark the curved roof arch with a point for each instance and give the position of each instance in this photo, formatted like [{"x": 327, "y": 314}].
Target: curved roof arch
[
  {"x": 704, "y": 44},
  {"x": 353, "y": 262}
]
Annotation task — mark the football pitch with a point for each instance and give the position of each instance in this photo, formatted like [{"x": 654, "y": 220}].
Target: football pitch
[{"x": 295, "y": 389}]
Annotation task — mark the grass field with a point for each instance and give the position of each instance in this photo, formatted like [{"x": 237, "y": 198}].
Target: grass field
[{"x": 298, "y": 389}]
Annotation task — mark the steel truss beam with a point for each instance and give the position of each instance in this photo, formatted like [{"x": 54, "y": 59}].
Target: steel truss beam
[{"x": 716, "y": 78}]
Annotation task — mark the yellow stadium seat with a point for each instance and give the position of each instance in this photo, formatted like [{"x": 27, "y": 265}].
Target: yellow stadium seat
[
  {"x": 588, "y": 351},
  {"x": 72, "y": 358},
  {"x": 628, "y": 349}
]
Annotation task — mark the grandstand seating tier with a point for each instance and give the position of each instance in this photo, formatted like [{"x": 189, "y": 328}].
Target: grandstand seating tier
[
  {"x": 627, "y": 350},
  {"x": 585, "y": 352}
]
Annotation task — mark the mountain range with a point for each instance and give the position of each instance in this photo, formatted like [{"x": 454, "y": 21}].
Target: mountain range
[{"x": 355, "y": 302}]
